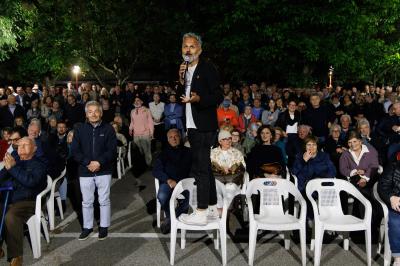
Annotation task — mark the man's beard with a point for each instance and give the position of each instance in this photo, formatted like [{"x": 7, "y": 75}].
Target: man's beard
[{"x": 190, "y": 57}]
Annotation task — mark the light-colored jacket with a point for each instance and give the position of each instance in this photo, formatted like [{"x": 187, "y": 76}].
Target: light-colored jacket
[{"x": 141, "y": 122}]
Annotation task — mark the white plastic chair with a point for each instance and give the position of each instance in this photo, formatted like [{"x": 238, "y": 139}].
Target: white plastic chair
[
  {"x": 383, "y": 230},
  {"x": 38, "y": 219},
  {"x": 218, "y": 224},
  {"x": 50, "y": 201},
  {"x": 328, "y": 213},
  {"x": 271, "y": 213}
]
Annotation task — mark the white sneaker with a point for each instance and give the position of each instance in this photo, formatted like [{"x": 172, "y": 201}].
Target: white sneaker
[
  {"x": 195, "y": 218},
  {"x": 213, "y": 213}
]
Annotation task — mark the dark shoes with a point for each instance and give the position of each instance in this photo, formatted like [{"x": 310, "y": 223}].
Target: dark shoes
[
  {"x": 166, "y": 226},
  {"x": 16, "y": 261},
  {"x": 103, "y": 233},
  {"x": 85, "y": 234}
]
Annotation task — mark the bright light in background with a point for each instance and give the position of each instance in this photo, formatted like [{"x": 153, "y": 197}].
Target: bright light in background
[{"x": 76, "y": 70}]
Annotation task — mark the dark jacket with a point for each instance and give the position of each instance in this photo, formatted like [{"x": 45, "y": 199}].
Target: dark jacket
[
  {"x": 74, "y": 114},
  {"x": 7, "y": 118},
  {"x": 318, "y": 119},
  {"x": 28, "y": 179},
  {"x": 262, "y": 154},
  {"x": 95, "y": 144},
  {"x": 205, "y": 82},
  {"x": 319, "y": 167},
  {"x": 389, "y": 183},
  {"x": 173, "y": 163},
  {"x": 284, "y": 119}
]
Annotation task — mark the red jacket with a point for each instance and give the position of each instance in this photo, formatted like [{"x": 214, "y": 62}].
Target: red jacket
[
  {"x": 242, "y": 126},
  {"x": 3, "y": 148}
]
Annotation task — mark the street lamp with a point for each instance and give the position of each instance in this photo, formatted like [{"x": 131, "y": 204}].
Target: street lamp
[{"x": 76, "y": 70}]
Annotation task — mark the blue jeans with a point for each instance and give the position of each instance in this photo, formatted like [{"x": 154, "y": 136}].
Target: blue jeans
[
  {"x": 394, "y": 232},
  {"x": 164, "y": 195}
]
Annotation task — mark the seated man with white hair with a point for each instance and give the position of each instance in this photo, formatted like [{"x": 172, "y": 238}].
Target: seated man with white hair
[
  {"x": 171, "y": 166},
  {"x": 28, "y": 178}
]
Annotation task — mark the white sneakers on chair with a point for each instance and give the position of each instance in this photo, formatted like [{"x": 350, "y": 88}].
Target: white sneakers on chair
[
  {"x": 200, "y": 217},
  {"x": 197, "y": 217},
  {"x": 213, "y": 213}
]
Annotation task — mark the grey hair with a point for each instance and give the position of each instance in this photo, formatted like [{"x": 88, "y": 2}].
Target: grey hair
[
  {"x": 36, "y": 122},
  {"x": 345, "y": 116},
  {"x": 363, "y": 122},
  {"x": 333, "y": 127},
  {"x": 93, "y": 103},
  {"x": 174, "y": 130},
  {"x": 307, "y": 127},
  {"x": 194, "y": 36}
]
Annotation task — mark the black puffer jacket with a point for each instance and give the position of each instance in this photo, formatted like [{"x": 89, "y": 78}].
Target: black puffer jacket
[{"x": 389, "y": 183}]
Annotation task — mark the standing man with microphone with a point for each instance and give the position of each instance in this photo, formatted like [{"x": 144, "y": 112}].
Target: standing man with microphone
[{"x": 201, "y": 95}]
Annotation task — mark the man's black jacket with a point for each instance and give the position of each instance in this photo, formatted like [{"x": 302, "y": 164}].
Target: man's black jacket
[{"x": 205, "y": 82}]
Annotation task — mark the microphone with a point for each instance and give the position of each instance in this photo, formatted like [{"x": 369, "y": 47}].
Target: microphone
[{"x": 186, "y": 59}]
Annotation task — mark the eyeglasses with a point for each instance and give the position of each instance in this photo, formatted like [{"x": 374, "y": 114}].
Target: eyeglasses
[
  {"x": 235, "y": 135},
  {"x": 227, "y": 139},
  {"x": 12, "y": 140}
]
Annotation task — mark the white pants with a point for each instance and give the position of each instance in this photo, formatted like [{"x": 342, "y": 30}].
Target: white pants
[{"x": 88, "y": 185}]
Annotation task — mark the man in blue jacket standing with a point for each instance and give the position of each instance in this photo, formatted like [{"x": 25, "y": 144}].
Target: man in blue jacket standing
[{"x": 94, "y": 148}]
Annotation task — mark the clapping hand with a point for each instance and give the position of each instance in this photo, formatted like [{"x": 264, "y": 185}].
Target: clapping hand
[{"x": 9, "y": 161}]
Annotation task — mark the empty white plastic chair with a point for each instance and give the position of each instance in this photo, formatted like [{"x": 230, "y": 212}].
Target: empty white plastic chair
[
  {"x": 271, "y": 213},
  {"x": 38, "y": 219},
  {"x": 328, "y": 213},
  {"x": 218, "y": 224},
  {"x": 383, "y": 230},
  {"x": 50, "y": 201}
]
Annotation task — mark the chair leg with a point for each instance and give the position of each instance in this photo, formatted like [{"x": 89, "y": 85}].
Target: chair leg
[
  {"x": 183, "y": 238},
  {"x": 252, "y": 242},
  {"x": 303, "y": 245},
  {"x": 45, "y": 230},
  {"x": 50, "y": 211},
  {"x": 216, "y": 239},
  {"x": 158, "y": 213},
  {"x": 60, "y": 208},
  {"x": 33, "y": 234},
  {"x": 223, "y": 245},
  {"x": 368, "y": 244},
  {"x": 286, "y": 236},
  {"x": 319, "y": 236},
  {"x": 119, "y": 171},
  {"x": 387, "y": 255},
  {"x": 173, "y": 244},
  {"x": 346, "y": 241}
]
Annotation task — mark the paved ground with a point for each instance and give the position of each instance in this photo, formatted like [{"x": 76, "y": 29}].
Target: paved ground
[{"x": 134, "y": 240}]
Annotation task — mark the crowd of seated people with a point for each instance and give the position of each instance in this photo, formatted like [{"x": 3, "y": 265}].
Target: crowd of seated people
[{"x": 315, "y": 132}]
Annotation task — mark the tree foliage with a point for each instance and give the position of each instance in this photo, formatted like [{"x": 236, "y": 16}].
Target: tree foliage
[{"x": 286, "y": 41}]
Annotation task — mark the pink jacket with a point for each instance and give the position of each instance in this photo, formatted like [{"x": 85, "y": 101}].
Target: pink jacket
[{"x": 141, "y": 122}]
